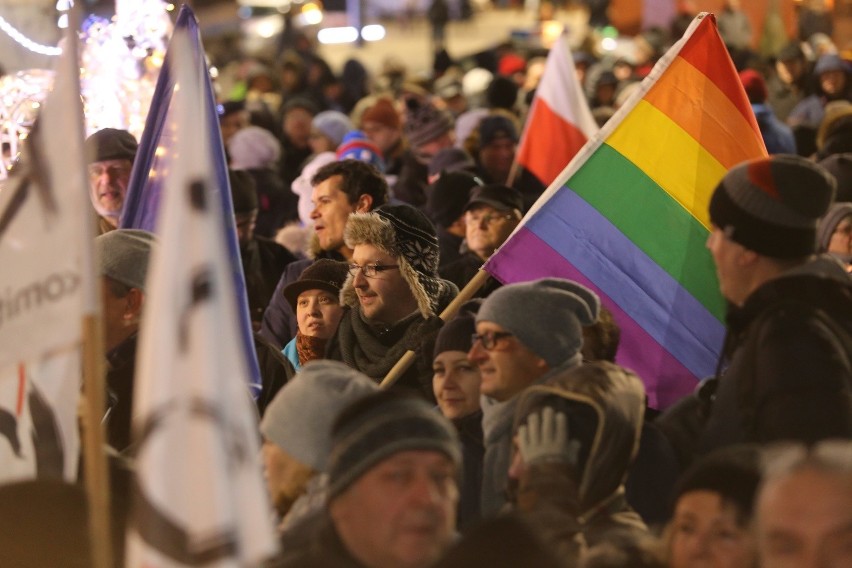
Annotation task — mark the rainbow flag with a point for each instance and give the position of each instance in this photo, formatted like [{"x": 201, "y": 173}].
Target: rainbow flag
[{"x": 628, "y": 216}]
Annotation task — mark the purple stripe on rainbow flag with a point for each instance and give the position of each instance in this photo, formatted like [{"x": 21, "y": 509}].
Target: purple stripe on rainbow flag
[{"x": 666, "y": 379}]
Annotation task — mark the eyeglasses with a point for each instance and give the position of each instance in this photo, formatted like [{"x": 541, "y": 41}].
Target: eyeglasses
[
  {"x": 488, "y": 219},
  {"x": 370, "y": 270},
  {"x": 489, "y": 340}
]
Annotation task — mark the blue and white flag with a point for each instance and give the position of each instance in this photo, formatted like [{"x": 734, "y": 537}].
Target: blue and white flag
[
  {"x": 198, "y": 498},
  {"x": 157, "y": 159}
]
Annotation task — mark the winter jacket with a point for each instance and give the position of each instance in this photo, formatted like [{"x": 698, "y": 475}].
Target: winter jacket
[
  {"x": 790, "y": 373},
  {"x": 577, "y": 507}
]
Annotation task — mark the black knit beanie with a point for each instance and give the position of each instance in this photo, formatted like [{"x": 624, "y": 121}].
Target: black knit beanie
[
  {"x": 243, "y": 191},
  {"x": 771, "y": 205},
  {"x": 380, "y": 425}
]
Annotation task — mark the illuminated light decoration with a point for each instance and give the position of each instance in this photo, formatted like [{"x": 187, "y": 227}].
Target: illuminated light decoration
[
  {"x": 311, "y": 14},
  {"x": 373, "y": 32},
  {"x": 121, "y": 60},
  {"x": 21, "y": 96},
  {"x": 26, "y": 42},
  {"x": 346, "y": 34}
]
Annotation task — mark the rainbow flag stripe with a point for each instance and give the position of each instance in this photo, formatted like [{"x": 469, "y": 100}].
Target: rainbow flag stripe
[{"x": 628, "y": 216}]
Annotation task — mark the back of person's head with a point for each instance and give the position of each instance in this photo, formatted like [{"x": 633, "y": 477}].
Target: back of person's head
[
  {"x": 357, "y": 178},
  {"x": 43, "y": 522},
  {"x": 502, "y": 542},
  {"x": 601, "y": 339},
  {"x": 300, "y": 417},
  {"x": 771, "y": 205}
]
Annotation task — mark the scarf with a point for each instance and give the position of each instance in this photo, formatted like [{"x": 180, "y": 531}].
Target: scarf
[{"x": 309, "y": 348}]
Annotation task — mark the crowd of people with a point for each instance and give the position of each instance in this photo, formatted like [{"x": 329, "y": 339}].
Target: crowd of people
[{"x": 364, "y": 205}]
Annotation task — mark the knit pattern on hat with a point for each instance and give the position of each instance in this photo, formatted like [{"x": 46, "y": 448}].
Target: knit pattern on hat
[
  {"x": 300, "y": 417},
  {"x": 546, "y": 315},
  {"x": 771, "y": 205},
  {"x": 405, "y": 233},
  {"x": 424, "y": 122},
  {"x": 397, "y": 425}
]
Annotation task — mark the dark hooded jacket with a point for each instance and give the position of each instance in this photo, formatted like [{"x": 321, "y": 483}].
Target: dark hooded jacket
[
  {"x": 790, "y": 373},
  {"x": 575, "y": 508}
]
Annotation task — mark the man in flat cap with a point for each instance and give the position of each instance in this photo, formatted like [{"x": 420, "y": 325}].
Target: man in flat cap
[
  {"x": 122, "y": 257},
  {"x": 111, "y": 153},
  {"x": 788, "y": 345}
]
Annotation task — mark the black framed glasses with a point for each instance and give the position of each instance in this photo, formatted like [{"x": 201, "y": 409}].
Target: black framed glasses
[
  {"x": 489, "y": 339},
  {"x": 370, "y": 270}
]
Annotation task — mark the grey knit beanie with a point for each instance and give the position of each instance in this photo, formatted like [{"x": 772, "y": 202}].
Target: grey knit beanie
[
  {"x": 300, "y": 417},
  {"x": 827, "y": 225},
  {"x": 771, "y": 205},
  {"x": 546, "y": 315},
  {"x": 333, "y": 124},
  {"x": 424, "y": 122},
  {"x": 123, "y": 255},
  {"x": 386, "y": 423}
]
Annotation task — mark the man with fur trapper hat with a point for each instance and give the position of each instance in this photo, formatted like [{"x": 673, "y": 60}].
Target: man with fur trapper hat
[
  {"x": 525, "y": 334},
  {"x": 393, "y": 294},
  {"x": 789, "y": 339}
]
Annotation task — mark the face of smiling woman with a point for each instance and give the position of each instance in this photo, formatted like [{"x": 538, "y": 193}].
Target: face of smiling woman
[{"x": 456, "y": 384}]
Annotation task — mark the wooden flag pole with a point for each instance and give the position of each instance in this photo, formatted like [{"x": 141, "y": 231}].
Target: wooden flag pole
[
  {"x": 97, "y": 474},
  {"x": 408, "y": 358}
]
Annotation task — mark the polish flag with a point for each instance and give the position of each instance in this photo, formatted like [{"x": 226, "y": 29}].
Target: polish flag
[{"x": 559, "y": 122}]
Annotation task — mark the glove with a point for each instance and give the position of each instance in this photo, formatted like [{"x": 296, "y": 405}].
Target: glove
[{"x": 544, "y": 439}]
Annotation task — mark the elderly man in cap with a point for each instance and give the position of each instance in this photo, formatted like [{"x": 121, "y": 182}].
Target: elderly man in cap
[
  {"x": 123, "y": 257},
  {"x": 296, "y": 432},
  {"x": 393, "y": 294},
  {"x": 525, "y": 334},
  {"x": 110, "y": 153},
  {"x": 491, "y": 214},
  {"x": 393, "y": 489},
  {"x": 788, "y": 345}
]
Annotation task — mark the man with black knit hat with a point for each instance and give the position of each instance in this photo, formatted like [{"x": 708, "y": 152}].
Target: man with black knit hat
[
  {"x": 393, "y": 294},
  {"x": 788, "y": 345},
  {"x": 526, "y": 334},
  {"x": 392, "y": 491},
  {"x": 110, "y": 153},
  {"x": 445, "y": 205}
]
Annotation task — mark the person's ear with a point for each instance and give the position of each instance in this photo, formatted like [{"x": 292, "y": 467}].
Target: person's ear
[{"x": 364, "y": 203}]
